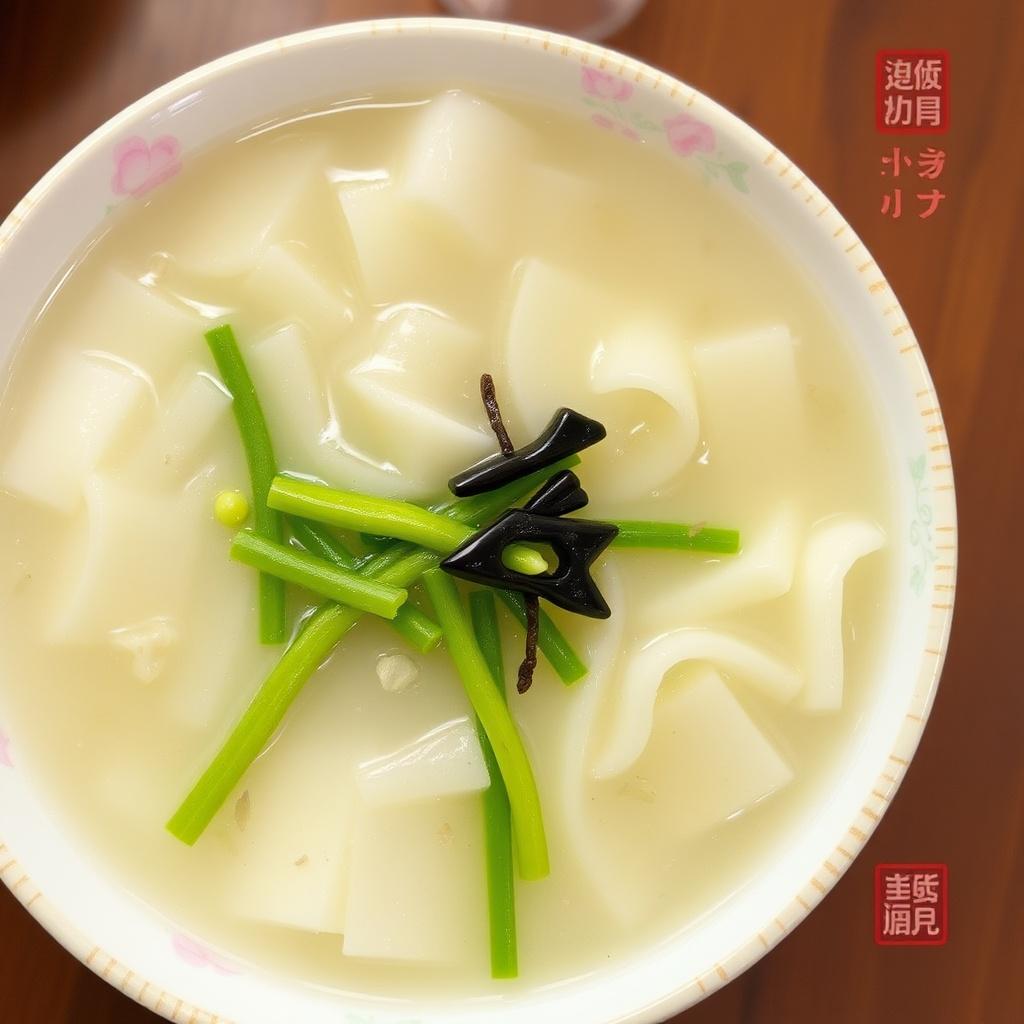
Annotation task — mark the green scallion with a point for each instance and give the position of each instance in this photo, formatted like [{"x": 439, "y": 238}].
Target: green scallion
[
  {"x": 413, "y": 626},
  {"x": 399, "y": 519},
  {"x": 321, "y": 633},
  {"x": 498, "y": 724},
  {"x": 639, "y": 533},
  {"x": 322, "y": 577},
  {"x": 501, "y": 893},
  {"x": 553, "y": 643},
  {"x": 259, "y": 455}
]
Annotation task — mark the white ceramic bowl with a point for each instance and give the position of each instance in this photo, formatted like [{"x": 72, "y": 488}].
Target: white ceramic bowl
[{"x": 138, "y": 950}]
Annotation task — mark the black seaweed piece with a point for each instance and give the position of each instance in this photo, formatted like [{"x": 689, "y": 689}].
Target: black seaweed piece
[
  {"x": 490, "y": 399},
  {"x": 568, "y": 432},
  {"x": 576, "y": 542},
  {"x": 558, "y": 496},
  {"x": 524, "y": 679}
]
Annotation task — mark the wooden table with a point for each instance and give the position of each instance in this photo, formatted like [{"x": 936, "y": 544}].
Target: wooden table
[{"x": 802, "y": 73}]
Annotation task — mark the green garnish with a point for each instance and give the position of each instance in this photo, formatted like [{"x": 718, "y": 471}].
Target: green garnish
[
  {"x": 375, "y": 542},
  {"x": 416, "y": 629},
  {"x": 322, "y": 577},
  {"x": 639, "y": 533},
  {"x": 318, "y": 540},
  {"x": 401, "y": 566},
  {"x": 398, "y": 519},
  {"x": 406, "y": 543},
  {"x": 553, "y": 643},
  {"x": 482, "y": 508},
  {"x": 501, "y": 893},
  {"x": 231, "y": 508},
  {"x": 323, "y": 629},
  {"x": 531, "y": 845},
  {"x": 259, "y": 455}
]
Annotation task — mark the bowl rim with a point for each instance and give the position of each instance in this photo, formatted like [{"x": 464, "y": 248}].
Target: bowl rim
[{"x": 829, "y": 222}]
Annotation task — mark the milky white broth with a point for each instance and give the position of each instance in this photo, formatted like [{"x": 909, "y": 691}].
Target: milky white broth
[{"x": 579, "y": 268}]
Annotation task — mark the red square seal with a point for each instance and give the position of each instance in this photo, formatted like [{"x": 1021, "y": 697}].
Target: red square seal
[
  {"x": 911, "y": 904},
  {"x": 912, "y": 92}
]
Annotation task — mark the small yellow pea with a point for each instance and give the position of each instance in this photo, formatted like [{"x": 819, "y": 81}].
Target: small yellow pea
[{"x": 231, "y": 508}]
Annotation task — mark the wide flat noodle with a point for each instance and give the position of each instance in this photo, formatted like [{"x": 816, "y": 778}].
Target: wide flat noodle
[
  {"x": 447, "y": 761},
  {"x": 290, "y": 824},
  {"x": 173, "y": 448},
  {"x": 706, "y": 761},
  {"x": 306, "y": 436},
  {"x": 403, "y": 254},
  {"x": 426, "y": 355},
  {"x": 285, "y": 286},
  {"x": 413, "y": 403},
  {"x": 716, "y": 585},
  {"x": 557, "y": 723},
  {"x": 210, "y": 675},
  {"x": 464, "y": 160},
  {"x": 416, "y": 887},
  {"x": 243, "y": 209},
  {"x": 752, "y": 408},
  {"x": 137, "y": 324},
  {"x": 832, "y": 549},
  {"x": 647, "y": 666},
  {"x": 78, "y": 419},
  {"x": 136, "y": 561},
  {"x": 563, "y": 346}
]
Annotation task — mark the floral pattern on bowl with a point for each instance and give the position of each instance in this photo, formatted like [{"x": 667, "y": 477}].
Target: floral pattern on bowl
[
  {"x": 140, "y": 166},
  {"x": 687, "y": 136},
  {"x": 198, "y": 955},
  {"x": 920, "y": 527}
]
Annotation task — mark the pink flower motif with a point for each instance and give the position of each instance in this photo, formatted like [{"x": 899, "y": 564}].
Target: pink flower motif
[
  {"x": 686, "y": 135},
  {"x": 139, "y": 167},
  {"x": 610, "y": 125},
  {"x": 5, "y": 750},
  {"x": 605, "y": 86},
  {"x": 199, "y": 956}
]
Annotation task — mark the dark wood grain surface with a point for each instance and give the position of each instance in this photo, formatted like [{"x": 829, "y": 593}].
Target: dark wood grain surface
[{"x": 802, "y": 73}]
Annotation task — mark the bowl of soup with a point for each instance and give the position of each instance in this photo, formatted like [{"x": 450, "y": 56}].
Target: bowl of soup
[{"x": 479, "y": 537}]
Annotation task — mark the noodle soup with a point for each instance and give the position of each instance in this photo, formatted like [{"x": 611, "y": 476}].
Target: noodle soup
[{"x": 373, "y": 262}]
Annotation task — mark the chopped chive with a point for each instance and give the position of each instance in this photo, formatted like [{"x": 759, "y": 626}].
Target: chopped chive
[
  {"x": 375, "y": 542},
  {"x": 320, "y": 634},
  {"x": 399, "y": 519},
  {"x": 382, "y": 559},
  {"x": 322, "y": 577},
  {"x": 319, "y": 541},
  {"x": 259, "y": 455},
  {"x": 417, "y": 628},
  {"x": 413, "y": 626},
  {"x": 531, "y": 845},
  {"x": 481, "y": 508},
  {"x": 484, "y": 614},
  {"x": 553, "y": 643},
  {"x": 501, "y": 893},
  {"x": 639, "y": 533}
]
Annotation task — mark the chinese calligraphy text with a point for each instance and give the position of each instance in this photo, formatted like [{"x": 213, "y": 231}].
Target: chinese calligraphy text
[
  {"x": 911, "y": 904},
  {"x": 916, "y": 171},
  {"x": 912, "y": 91}
]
